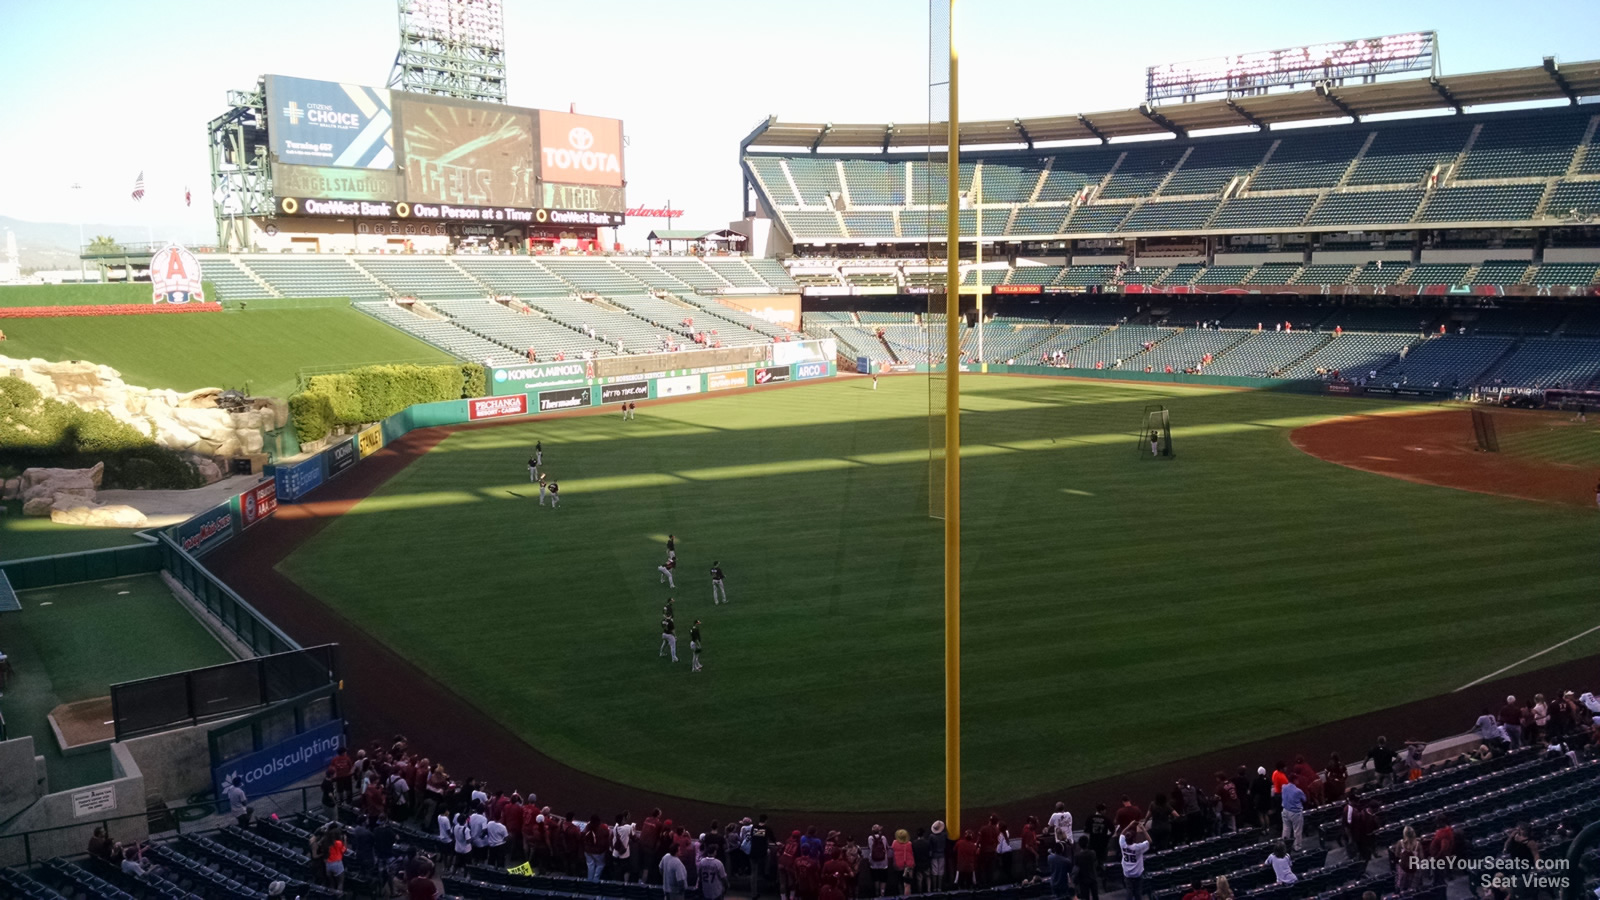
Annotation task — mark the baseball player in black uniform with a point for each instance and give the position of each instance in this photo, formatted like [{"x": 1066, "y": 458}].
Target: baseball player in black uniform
[
  {"x": 666, "y": 569},
  {"x": 694, "y": 645},
  {"x": 555, "y": 495},
  {"x": 669, "y": 637},
  {"x": 717, "y": 587}
]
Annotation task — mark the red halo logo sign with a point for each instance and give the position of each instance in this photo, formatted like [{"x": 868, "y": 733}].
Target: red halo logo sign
[{"x": 175, "y": 276}]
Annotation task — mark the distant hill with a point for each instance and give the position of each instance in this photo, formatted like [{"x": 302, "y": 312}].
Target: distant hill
[{"x": 54, "y": 245}]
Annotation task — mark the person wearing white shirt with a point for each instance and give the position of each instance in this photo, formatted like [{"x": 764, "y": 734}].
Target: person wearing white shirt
[
  {"x": 1133, "y": 858},
  {"x": 1061, "y": 824},
  {"x": 478, "y": 822},
  {"x": 1282, "y": 865},
  {"x": 494, "y": 837},
  {"x": 621, "y": 852}
]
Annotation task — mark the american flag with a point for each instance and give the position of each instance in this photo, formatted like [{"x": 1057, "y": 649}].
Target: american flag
[
  {"x": 188, "y": 199},
  {"x": 138, "y": 187}
]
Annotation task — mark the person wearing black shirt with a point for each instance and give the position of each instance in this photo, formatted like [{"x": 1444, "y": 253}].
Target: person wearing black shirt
[
  {"x": 760, "y": 836},
  {"x": 1086, "y": 863},
  {"x": 555, "y": 495},
  {"x": 538, "y": 453},
  {"x": 669, "y": 636},
  {"x": 1382, "y": 759},
  {"x": 672, "y": 546},
  {"x": 694, "y": 645},
  {"x": 1099, "y": 831},
  {"x": 717, "y": 586}
]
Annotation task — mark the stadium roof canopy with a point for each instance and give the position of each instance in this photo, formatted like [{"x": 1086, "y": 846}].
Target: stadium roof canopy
[{"x": 1566, "y": 81}]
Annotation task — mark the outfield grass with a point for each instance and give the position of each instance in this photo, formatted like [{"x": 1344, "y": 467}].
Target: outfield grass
[
  {"x": 63, "y": 651},
  {"x": 1550, "y": 437},
  {"x": 1118, "y": 611},
  {"x": 73, "y": 294},
  {"x": 261, "y": 348}
]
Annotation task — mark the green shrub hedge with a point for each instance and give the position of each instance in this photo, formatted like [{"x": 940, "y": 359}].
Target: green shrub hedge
[
  {"x": 35, "y": 431},
  {"x": 374, "y": 393}
]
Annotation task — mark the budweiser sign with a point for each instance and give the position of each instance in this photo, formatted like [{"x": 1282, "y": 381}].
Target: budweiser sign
[
  {"x": 497, "y": 407},
  {"x": 652, "y": 212}
]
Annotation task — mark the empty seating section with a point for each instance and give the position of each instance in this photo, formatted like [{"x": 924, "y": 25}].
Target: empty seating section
[
  {"x": 231, "y": 281},
  {"x": 1145, "y": 275},
  {"x": 1066, "y": 339},
  {"x": 1097, "y": 219},
  {"x": 1483, "y": 202},
  {"x": 860, "y": 341},
  {"x": 422, "y": 277},
  {"x": 875, "y": 183},
  {"x": 609, "y": 326},
  {"x": 1583, "y": 323},
  {"x": 1224, "y": 275},
  {"x": 1002, "y": 342},
  {"x": 990, "y": 276},
  {"x": 914, "y": 343},
  {"x": 692, "y": 272},
  {"x": 929, "y": 184},
  {"x": 816, "y": 278},
  {"x": 1210, "y": 167},
  {"x": 1314, "y": 160},
  {"x": 1408, "y": 155},
  {"x": 314, "y": 277},
  {"x": 1450, "y": 360},
  {"x": 719, "y": 324},
  {"x": 1086, "y": 313},
  {"x": 1533, "y": 145},
  {"x": 1041, "y": 220},
  {"x": 651, "y": 275},
  {"x": 1438, "y": 273},
  {"x": 1274, "y": 273},
  {"x": 1115, "y": 346},
  {"x": 878, "y": 317},
  {"x": 735, "y": 271},
  {"x": 1499, "y": 271},
  {"x": 815, "y": 178},
  {"x": 994, "y": 220},
  {"x": 1367, "y": 208},
  {"x": 520, "y": 332},
  {"x": 773, "y": 273},
  {"x": 509, "y": 275},
  {"x": 1576, "y": 199},
  {"x": 1263, "y": 354},
  {"x": 1009, "y": 183},
  {"x": 1035, "y": 274},
  {"x": 1325, "y": 273},
  {"x": 442, "y": 333},
  {"x": 1183, "y": 273},
  {"x": 1263, "y": 212},
  {"x": 1143, "y": 170},
  {"x": 1070, "y": 173},
  {"x": 1566, "y": 273},
  {"x": 1176, "y": 215},
  {"x": 769, "y": 171},
  {"x": 869, "y": 224},
  {"x": 1355, "y": 353},
  {"x": 1380, "y": 273},
  {"x": 874, "y": 278},
  {"x": 597, "y": 276},
  {"x": 1185, "y": 350},
  {"x": 1087, "y": 276},
  {"x": 808, "y": 225}
]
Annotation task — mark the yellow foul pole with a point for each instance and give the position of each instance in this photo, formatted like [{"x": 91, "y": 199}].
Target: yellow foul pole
[{"x": 952, "y": 463}]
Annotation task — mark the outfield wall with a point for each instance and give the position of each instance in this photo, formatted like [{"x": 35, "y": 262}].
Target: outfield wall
[{"x": 539, "y": 388}]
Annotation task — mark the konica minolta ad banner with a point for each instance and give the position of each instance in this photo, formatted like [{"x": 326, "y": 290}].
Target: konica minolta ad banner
[{"x": 324, "y": 123}]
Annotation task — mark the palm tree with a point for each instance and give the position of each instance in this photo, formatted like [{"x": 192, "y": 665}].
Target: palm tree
[{"x": 104, "y": 244}]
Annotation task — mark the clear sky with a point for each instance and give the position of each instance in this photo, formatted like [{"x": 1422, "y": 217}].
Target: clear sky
[{"x": 97, "y": 91}]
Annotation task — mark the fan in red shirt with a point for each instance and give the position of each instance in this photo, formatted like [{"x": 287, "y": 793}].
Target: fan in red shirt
[
  {"x": 967, "y": 858},
  {"x": 988, "y": 840},
  {"x": 512, "y": 816},
  {"x": 1127, "y": 814},
  {"x": 807, "y": 877}
]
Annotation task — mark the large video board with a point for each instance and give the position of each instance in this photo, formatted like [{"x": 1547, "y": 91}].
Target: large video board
[
  {"x": 343, "y": 150},
  {"x": 322, "y": 123}
]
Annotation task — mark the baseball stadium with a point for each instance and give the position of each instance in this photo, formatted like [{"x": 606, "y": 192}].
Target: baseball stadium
[{"x": 1199, "y": 470}]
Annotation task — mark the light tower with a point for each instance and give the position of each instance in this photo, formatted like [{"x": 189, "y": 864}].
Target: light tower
[{"x": 452, "y": 48}]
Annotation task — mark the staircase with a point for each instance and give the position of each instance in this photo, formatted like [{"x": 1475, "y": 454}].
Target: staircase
[
  {"x": 484, "y": 286},
  {"x": 1326, "y": 340}
]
